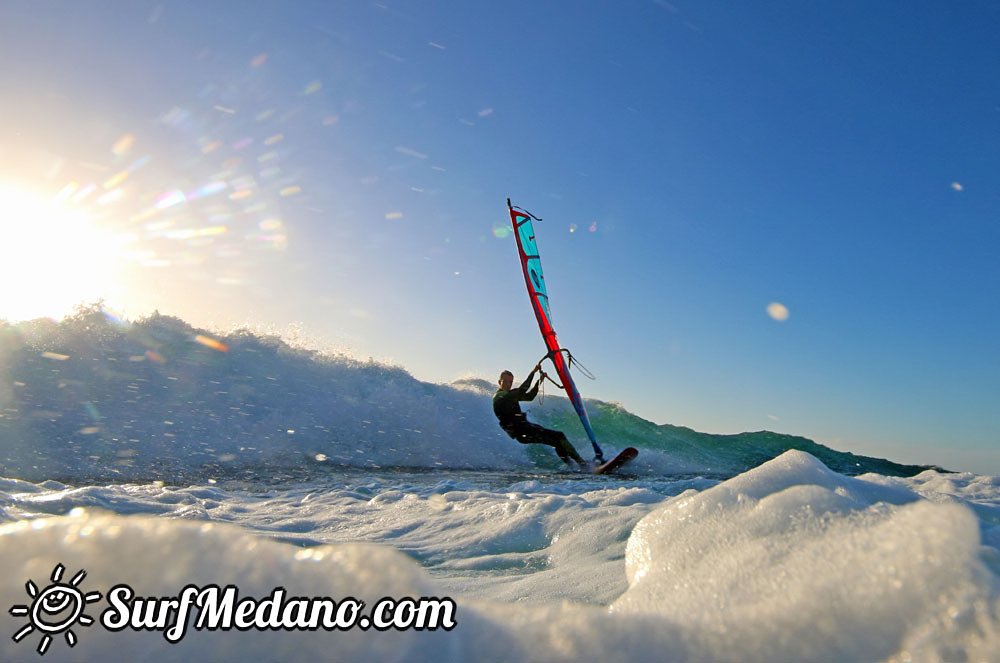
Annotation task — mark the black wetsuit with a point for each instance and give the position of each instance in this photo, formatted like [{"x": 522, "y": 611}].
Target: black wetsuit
[{"x": 507, "y": 407}]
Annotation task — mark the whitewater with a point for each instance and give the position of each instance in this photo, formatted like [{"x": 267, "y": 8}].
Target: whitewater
[{"x": 160, "y": 456}]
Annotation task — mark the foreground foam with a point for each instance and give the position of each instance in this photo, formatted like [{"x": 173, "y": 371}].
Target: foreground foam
[
  {"x": 791, "y": 561},
  {"x": 787, "y": 562}
]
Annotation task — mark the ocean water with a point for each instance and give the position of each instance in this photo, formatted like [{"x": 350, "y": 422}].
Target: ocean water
[{"x": 159, "y": 456}]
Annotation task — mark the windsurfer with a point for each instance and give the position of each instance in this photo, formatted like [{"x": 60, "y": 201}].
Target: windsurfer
[{"x": 507, "y": 407}]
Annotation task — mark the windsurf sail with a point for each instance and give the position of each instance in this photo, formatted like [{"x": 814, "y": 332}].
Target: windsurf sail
[{"x": 531, "y": 266}]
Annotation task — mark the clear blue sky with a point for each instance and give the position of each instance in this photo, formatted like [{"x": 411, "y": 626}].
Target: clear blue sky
[{"x": 340, "y": 169}]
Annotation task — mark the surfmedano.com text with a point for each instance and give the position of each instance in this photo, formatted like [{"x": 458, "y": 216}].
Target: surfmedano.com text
[{"x": 223, "y": 609}]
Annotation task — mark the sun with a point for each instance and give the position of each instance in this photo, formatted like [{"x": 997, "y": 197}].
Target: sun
[
  {"x": 52, "y": 257},
  {"x": 55, "y": 609}
]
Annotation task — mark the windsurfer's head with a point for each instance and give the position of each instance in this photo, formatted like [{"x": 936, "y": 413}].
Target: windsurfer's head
[{"x": 506, "y": 380}]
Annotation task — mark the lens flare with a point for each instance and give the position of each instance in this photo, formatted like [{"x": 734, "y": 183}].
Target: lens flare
[
  {"x": 123, "y": 145},
  {"x": 209, "y": 342},
  {"x": 777, "y": 311}
]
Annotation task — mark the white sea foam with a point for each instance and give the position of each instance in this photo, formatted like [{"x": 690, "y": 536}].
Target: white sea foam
[
  {"x": 791, "y": 561},
  {"x": 786, "y": 562}
]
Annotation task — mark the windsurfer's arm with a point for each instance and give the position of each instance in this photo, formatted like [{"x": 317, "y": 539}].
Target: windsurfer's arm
[
  {"x": 528, "y": 392},
  {"x": 526, "y": 385}
]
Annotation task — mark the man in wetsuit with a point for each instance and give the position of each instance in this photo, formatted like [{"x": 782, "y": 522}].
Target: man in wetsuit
[{"x": 507, "y": 407}]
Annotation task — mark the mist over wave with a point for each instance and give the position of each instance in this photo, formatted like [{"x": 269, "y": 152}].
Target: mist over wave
[{"x": 94, "y": 398}]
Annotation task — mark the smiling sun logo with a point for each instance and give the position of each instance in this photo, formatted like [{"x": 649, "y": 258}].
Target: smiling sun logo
[{"x": 55, "y": 609}]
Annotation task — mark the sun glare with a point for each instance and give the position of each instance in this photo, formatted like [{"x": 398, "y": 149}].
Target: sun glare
[{"x": 52, "y": 257}]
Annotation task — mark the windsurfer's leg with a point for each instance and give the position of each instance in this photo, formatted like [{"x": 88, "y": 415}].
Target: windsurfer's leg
[
  {"x": 570, "y": 451},
  {"x": 564, "y": 447},
  {"x": 560, "y": 451},
  {"x": 529, "y": 433}
]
